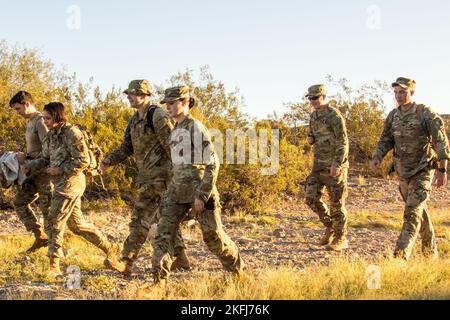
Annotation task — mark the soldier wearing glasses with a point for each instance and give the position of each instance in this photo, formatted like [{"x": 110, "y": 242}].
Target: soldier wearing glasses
[{"x": 328, "y": 135}]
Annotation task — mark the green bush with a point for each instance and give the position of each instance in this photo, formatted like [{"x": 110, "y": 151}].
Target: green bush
[{"x": 242, "y": 187}]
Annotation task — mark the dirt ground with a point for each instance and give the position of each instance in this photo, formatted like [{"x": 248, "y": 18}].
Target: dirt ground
[{"x": 288, "y": 237}]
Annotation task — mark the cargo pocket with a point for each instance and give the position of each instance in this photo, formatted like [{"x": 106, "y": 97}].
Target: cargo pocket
[{"x": 185, "y": 193}]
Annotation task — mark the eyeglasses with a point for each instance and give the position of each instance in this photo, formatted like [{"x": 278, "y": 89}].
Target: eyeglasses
[{"x": 314, "y": 98}]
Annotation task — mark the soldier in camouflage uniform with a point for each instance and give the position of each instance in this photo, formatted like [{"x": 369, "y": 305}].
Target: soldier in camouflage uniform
[
  {"x": 147, "y": 137},
  {"x": 65, "y": 155},
  {"x": 195, "y": 167},
  {"x": 417, "y": 135},
  {"x": 38, "y": 185},
  {"x": 328, "y": 135}
]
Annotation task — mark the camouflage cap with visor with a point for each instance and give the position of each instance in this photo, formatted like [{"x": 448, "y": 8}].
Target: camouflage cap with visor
[
  {"x": 139, "y": 88},
  {"x": 405, "y": 83},
  {"x": 178, "y": 93},
  {"x": 317, "y": 90}
]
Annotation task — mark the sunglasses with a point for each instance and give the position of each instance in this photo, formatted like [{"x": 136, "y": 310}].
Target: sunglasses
[{"x": 313, "y": 98}]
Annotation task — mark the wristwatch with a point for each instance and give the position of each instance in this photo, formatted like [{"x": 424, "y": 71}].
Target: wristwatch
[{"x": 442, "y": 170}]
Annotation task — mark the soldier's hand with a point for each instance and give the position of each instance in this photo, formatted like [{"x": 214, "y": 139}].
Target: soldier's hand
[
  {"x": 335, "y": 172},
  {"x": 440, "y": 179},
  {"x": 25, "y": 170},
  {"x": 199, "y": 206},
  {"x": 54, "y": 171},
  {"x": 21, "y": 157},
  {"x": 375, "y": 164}
]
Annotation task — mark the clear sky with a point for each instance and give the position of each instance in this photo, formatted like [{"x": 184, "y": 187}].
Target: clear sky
[{"x": 271, "y": 50}]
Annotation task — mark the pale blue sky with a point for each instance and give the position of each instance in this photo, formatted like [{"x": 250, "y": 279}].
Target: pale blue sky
[{"x": 271, "y": 50}]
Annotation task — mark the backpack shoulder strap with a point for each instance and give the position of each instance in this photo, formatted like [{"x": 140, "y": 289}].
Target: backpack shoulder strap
[
  {"x": 149, "y": 122},
  {"x": 126, "y": 135}
]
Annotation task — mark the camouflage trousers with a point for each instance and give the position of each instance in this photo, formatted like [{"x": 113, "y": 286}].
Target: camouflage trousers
[
  {"x": 336, "y": 216},
  {"x": 67, "y": 211},
  {"x": 217, "y": 241},
  {"x": 145, "y": 214},
  {"x": 415, "y": 192},
  {"x": 38, "y": 187}
]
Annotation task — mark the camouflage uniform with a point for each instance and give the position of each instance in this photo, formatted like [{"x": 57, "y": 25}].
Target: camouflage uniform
[
  {"x": 417, "y": 141},
  {"x": 194, "y": 176},
  {"x": 38, "y": 185},
  {"x": 151, "y": 150},
  {"x": 329, "y": 135},
  {"x": 65, "y": 148}
]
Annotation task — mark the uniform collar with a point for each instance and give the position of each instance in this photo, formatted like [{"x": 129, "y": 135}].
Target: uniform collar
[
  {"x": 322, "y": 111},
  {"x": 185, "y": 119},
  {"x": 60, "y": 129},
  {"x": 145, "y": 111},
  {"x": 412, "y": 109},
  {"x": 37, "y": 114}
]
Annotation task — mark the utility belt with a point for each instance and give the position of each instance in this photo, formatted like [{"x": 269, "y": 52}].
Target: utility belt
[{"x": 433, "y": 164}]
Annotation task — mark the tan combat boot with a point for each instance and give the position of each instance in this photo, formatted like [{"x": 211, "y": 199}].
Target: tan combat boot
[
  {"x": 112, "y": 261},
  {"x": 327, "y": 237},
  {"x": 181, "y": 262},
  {"x": 54, "y": 271},
  {"x": 113, "y": 251},
  {"x": 338, "y": 244},
  {"x": 40, "y": 241},
  {"x": 123, "y": 265}
]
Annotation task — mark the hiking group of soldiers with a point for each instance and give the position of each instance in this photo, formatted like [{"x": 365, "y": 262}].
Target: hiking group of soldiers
[{"x": 170, "y": 190}]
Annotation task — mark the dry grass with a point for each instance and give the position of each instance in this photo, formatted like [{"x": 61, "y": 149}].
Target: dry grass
[
  {"x": 394, "y": 220},
  {"x": 242, "y": 217},
  {"x": 343, "y": 278}
]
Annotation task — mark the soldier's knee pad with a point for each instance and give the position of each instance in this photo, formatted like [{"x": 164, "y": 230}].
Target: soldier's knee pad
[
  {"x": 416, "y": 199},
  {"x": 412, "y": 212}
]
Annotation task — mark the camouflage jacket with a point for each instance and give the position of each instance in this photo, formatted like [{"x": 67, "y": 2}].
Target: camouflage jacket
[
  {"x": 195, "y": 165},
  {"x": 150, "y": 149},
  {"x": 331, "y": 147},
  {"x": 415, "y": 144},
  {"x": 64, "y": 148}
]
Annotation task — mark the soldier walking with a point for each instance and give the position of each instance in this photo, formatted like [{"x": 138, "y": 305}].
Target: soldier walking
[
  {"x": 65, "y": 156},
  {"x": 195, "y": 167},
  {"x": 147, "y": 137},
  {"x": 417, "y": 135},
  {"x": 328, "y": 135},
  {"x": 37, "y": 186}
]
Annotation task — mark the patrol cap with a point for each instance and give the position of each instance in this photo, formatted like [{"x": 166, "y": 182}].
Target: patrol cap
[
  {"x": 405, "y": 83},
  {"x": 139, "y": 88},
  {"x": 178, "y": 93},
  {"x": 317, "y": 90}
]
